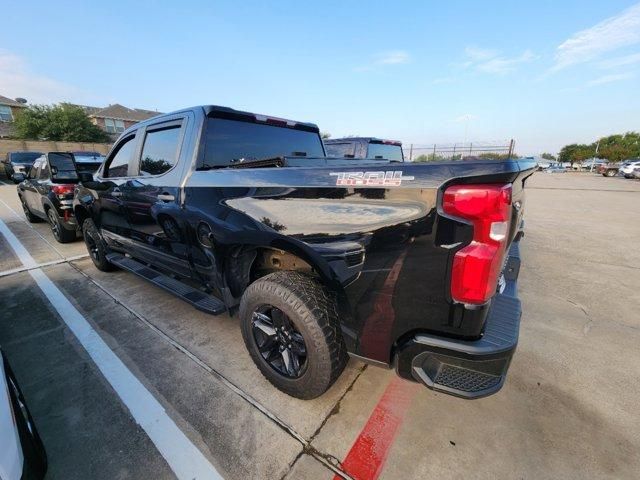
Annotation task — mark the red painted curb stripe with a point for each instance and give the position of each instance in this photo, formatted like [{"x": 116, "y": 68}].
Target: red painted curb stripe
[{"x": 369, "y": 452}]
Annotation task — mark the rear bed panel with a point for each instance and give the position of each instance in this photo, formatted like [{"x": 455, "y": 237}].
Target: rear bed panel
[{"x": 402, "y": 285}]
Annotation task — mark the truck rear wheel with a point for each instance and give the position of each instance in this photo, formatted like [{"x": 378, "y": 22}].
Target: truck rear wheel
[
  {"x": 291, "y": 328},
  {"x": 96, "y": 246}
]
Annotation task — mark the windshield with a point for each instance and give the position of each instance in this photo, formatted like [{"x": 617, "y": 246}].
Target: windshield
[
  {"x": 63, "y": 163},
  {"x": 24, "y": 157},
  {"x": 228, "y": 142},
  {"x": 385, "y": 150}
]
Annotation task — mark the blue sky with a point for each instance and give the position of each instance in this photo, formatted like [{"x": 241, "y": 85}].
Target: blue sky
[{"x": 546, "y": 73}]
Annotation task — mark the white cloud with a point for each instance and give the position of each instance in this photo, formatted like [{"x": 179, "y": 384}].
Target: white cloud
[
  {"x": 620, "y": 61},
  {"x": 617, "y": 77},
  {"x": 491, "y": 61},
  {"x": 393, "y": 57},
  {"x": 502, "y": 65},
  {"x": 480, "y": 54},
  {"x": 17, "y": 80},
  {"x": 382, "y": 59},
  {"x": 615, "y": 32}
]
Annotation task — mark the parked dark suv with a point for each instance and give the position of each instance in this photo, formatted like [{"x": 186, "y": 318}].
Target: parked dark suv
[
  {"x": 47, "y": 193},
  {"x": 19, "y": 162}
]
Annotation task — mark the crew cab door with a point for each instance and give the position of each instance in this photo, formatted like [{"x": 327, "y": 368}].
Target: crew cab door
[
  {"x": 108, "y": 206},
  {"x": 151, "y": 197}
]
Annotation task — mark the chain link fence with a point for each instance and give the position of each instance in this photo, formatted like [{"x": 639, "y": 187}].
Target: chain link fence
[{"x": 458, "y": 151}]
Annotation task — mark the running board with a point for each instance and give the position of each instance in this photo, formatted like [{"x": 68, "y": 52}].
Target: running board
[{"x": 195, "y": 297}]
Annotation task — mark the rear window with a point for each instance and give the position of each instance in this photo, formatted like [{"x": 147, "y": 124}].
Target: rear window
[
  {"x": 230, "y": 141},
  {"x": 385, "y": 150},
  {"x": 341, "y": 150},
  {"x": 88, "y": 157},
  {"x": 24, "y": 157},
  {"x": 63, "y": 163}
]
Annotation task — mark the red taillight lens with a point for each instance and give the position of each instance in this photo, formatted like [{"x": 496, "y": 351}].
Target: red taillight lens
[
  {"x": 62, "y": 189},
  {"x": 476, "y": 267}
]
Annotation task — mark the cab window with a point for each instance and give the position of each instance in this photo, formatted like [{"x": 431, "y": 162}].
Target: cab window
[
  {"x": 118, "y": 164},
  {"x": 160, "y": 150},
  {"x": 341, "y": 150}
]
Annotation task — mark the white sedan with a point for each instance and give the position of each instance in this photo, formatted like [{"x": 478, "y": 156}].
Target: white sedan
[
  {"x": 628, "y": 167},
  {"x": 22, "y": 454}
]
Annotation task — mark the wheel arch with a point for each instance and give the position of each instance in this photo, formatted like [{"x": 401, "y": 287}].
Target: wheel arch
[
  {"x": 242, "y": 261},
  {"x": 81, "y": 213}
]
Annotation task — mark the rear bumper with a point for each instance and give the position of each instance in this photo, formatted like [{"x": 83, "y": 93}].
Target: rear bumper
[{"x": 469, "y": 369}]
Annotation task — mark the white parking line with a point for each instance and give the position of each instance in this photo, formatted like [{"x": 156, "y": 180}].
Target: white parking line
[
  {"x": 11, "y": 271},
  {"x": 184, "y": 458}
]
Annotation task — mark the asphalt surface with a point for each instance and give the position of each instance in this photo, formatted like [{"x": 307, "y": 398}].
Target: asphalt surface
[{"x": 569, "y": 408}]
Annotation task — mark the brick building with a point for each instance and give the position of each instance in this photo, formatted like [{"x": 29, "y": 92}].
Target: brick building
[
  {"x": 113, "y": 119},
  {"x": 8, "y": 110}
]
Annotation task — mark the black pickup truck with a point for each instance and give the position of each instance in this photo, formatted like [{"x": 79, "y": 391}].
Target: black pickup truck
[{"x": 405, "y": 266}]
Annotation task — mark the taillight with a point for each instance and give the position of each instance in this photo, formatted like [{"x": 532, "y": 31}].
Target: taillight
[
  {"x": 476, "y": 267},
  {"x": 62, "y": 189}
]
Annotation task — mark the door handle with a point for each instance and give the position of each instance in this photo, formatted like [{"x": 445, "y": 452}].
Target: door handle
[
  {"x": 166, "y": 197},
  {"x": 116, "y": 193}
]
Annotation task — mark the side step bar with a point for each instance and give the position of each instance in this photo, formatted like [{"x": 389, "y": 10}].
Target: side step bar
[{"x": 195, "y": 297}]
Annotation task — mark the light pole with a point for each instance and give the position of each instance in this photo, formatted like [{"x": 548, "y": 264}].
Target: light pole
[{"x": 593, "y": 161}]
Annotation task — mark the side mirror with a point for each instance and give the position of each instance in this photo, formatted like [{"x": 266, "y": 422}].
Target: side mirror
[
  {"x": 19, "y": 177},
  {"x": 54, "y": 170},
  {"x": 85, "y": 177}
]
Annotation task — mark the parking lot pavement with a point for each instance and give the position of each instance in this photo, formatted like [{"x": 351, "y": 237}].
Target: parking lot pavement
[{"x": 568, "y": 409}]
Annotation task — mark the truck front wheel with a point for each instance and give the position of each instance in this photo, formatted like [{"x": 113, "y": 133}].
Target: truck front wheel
[
  {"x": 96, "y": 246},
  {"x": 291, "y": 328}
]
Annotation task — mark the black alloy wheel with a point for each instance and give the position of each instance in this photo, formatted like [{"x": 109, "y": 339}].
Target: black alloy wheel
[
  {"x": 278, "y": 341},
  {"x": 96, "y": 246},
  {"x": 92, "y": 246}
]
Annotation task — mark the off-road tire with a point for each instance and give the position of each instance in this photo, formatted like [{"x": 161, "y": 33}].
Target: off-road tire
[
  {"x": 99, "y": 256},
  {"x": 313, "y": 311}
]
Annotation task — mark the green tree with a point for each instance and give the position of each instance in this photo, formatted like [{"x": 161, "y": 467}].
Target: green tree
[
  {"x": 62, "y": 122},
  {"x": 431, "y": 157},
  {"x": 616, "y": 148},
  {"x": 576, "y": 153},
  {"x": 548, "y": 156},
  {"x": 325, "y": 135},
  {"x": 613, "y": 148},
  {"x": 498, "y": 156}
]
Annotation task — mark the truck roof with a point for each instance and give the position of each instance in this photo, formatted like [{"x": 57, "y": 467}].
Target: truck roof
[
  {"x": 363, "y": 139},
  {"x": 227, "y": 112}
]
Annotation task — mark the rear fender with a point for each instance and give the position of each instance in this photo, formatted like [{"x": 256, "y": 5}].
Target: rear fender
[{"x": 255, "y": 242}]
